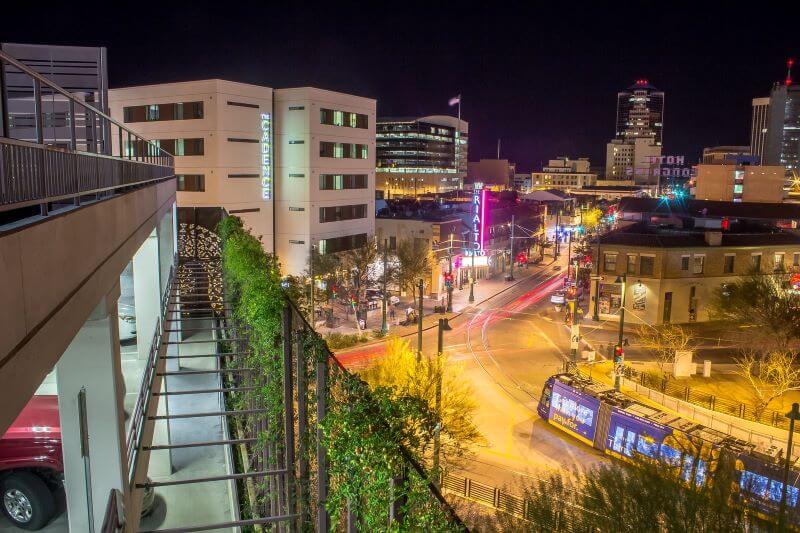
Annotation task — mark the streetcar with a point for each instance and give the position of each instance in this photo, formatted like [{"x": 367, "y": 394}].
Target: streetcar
[{"x": 625, "y": 429}]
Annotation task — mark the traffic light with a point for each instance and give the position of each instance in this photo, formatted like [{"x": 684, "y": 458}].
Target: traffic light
[
  {"x": 618, "y": 354},
  {"x": 521, "y": 258}
]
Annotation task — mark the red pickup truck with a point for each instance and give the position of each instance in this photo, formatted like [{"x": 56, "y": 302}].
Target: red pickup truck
[{"x": 31, "y": 464}]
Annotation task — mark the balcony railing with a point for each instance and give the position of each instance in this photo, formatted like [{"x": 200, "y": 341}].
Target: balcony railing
[{"x": 64, "y": 155}]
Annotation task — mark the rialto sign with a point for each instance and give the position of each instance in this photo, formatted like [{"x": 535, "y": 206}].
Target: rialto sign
[{"x": 478, "y": 224}]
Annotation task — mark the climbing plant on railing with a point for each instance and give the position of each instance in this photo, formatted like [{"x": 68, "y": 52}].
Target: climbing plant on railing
[{"x": 371, "y": 436}]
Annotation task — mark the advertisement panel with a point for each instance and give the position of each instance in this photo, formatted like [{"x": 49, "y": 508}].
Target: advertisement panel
[{"x": 574, "y": 412}]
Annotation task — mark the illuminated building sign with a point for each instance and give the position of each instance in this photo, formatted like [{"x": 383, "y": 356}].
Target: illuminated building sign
[
  {"x": 573, "y": 412},
  {"x": 266, "y": 156},
  {"x": 478, "y": 223}
]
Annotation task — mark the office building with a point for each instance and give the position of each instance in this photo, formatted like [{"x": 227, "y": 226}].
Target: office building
[
  {"x": 294, "y": 164},
  {"x": 495, "y": 174},
  {"x": 734, "y": 181},
  {"x": 523, "y": 181},
  {"x": 721, "y": 155},
  {"x": 421, "y": 155},
  {"x": 782, "y": 143},
  {"x": 671, "y": 274},
  {"x": 758, "y": 127},
  {"x": 565, "y": 174},
  {"x": 82, "y": 71},
  {"x": 633, "y": 161},
  {"x": 640, "y": 113}
]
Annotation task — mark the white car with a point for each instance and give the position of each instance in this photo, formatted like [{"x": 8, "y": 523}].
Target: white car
[
  {"x": 126, "y": 316},
  {"x": 394, "y": 300},
  {"x": 558, "y": 298}
]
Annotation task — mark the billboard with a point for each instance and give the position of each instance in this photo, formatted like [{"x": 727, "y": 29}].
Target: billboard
[{"x": 574, "y": 412}]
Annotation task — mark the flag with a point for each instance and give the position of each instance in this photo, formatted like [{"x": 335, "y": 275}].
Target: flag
[{"x": 455, "y": 100}]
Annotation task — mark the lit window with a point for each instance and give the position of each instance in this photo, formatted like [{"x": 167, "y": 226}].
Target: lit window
[{"x": 699, "y": 264}]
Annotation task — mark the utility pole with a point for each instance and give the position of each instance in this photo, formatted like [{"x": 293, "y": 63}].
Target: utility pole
[
  {"x": 619, "y": 354},
  {"x": 384, "y": 325},
  {"x": 595, "y": 313},
  {"x": 419, "y": 320},
  {"x": 511, "y": 271},
  {"x": 558, "y": 225},
  {"x": 569, "y": 257},
  {"x": 444, "y": 325},
  {"x": 450, "y": 272},
  {"x": 792, "y": 415}
]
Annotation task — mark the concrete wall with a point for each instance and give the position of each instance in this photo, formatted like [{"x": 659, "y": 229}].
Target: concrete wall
[
  {"x": 759, "y": 183},
  {"x": 53, "y": 274}
]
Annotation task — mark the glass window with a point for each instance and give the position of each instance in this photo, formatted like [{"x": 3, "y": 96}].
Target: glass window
[
  {"x": 647, "y": 446},
  {"x": 338, "y": 118},
  {"x": 753, "y": 483},
  {"x": 610, "y": 262},
  {"x": 796, "y": 259},
  {"x": 646, "y": 265},
  {"x": 685, "y": 262},
  {"x": 727, "y": 267},
  {"x": 700, "y": 473},
  {"x": 755, "y": 262},
  {"x": 670, "y": 455},
  {"x": 698, "y": 264},
  {"x": 631, "y": 264},
  {"x": 630, "y": 437},
  {"x": 778, "y": 262},
  {"x": 686, "y": 470},
  {"x": 191, "y": 182},
  {"x": 618, "y": 439},
  {"x": 776, "y": 492}
]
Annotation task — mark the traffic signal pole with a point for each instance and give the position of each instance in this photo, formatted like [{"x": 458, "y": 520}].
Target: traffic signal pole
[
  {"x": 511, "y": 272},
  {"x": 619, "y": 354}
]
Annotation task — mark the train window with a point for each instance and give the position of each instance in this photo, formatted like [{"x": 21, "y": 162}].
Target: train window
[
  {"x": 670, "y": 455},
  {"x": 647, "y": 446},
  {"x": 700, "y": 473},
  {"x": 775, "y": 490},
  {"x": 629, "y": 438},
  {"x": 618, "y": 438},
  {"x": 585, "y": 415},
  {"x": 753, "y": 483},
  {"x": 686, "y": 470}
]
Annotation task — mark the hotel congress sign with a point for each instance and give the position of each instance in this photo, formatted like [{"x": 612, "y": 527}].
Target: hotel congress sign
[{"x": 266, "y": 156}]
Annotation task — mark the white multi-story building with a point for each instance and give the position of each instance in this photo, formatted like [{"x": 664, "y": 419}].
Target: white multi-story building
[
  {"x": 564, "y": 173},
  {"x": 297, "y": 165},
  {"x": 626, "y": 160}
]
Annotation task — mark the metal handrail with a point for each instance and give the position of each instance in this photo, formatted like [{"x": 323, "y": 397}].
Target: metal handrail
[{"x": 4, "y": 57}]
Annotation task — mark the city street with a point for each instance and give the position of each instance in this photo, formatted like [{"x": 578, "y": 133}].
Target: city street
[{"x": 508, "y": 347}]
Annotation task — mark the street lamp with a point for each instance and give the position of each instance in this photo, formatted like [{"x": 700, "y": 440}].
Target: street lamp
[
  {"x": 444, "y": 325},
  {"x": 792, "y": 415},
  {"x": 450, "y": 275},
  {"x": 619, "y": 355},
  {"x": 384, "y": 324},
  {"x": 472, "y": 280}
]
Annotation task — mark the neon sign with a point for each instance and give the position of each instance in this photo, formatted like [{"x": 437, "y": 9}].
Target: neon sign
[
  {"x": 478, "y": 225},
  {"x": 266, "y": 156}
]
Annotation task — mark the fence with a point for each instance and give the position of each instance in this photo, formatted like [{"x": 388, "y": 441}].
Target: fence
[{"x": 712, "y": 402}]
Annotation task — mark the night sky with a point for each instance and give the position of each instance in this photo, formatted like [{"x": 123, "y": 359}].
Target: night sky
[{"x": 543, "y": 78}]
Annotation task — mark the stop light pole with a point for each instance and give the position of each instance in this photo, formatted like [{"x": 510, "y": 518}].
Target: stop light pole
[{"x": 619, "y": 354}]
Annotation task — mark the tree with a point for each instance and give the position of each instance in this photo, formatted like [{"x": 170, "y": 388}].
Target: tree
[
  {"x": 762, "y": 303},
  {"x": 325, "y": 267},
  {"x": 361, "y": 263},
  {"x": 665, "y": 341},
  {"x": 410, "y": 376},
  {"x": 769, "y": 376},
  {"x": 648, "y": 496},
  {"x": 413, "y": 264}
]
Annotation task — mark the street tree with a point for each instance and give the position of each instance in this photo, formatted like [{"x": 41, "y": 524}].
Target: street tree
[
  {"x": 361, "y": 265},
  {"x": 649, "y": 496},
  {"x": 413, "y": 264},
  {"x": 665, "y": 341},
  {"x": 591, "y": 218},
  {"x": 769, "y": 376},
  {"x": 410, "y": 376},
  {"x": 762, "y": 304},
  {"x": 326, "y": 268}
]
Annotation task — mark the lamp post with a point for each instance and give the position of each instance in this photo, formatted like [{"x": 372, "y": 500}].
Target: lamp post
[
  {"x": 472, "y": 280},
  {"x": 595, "y": 313},
  {"x": 311, "y": 275},
  {"x": 444, "y": 325},
  {"x": 384, "y": 324},
  {"x": 792, "y": 415},
  {"x": 619, "y": 355},
  {"x": 511, "y": 272},
  {"x": 450, "y": 272},
  {"x": 555, "y": 237}
]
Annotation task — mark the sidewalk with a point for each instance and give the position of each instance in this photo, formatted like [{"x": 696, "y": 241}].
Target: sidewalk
[{"x": 484, "y": 290}]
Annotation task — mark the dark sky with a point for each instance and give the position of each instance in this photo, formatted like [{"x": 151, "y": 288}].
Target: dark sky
[{"x": 541, "y": 75}]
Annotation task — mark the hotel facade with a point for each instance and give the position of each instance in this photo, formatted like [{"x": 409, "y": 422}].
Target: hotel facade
[{"x": 297, "y": 165}]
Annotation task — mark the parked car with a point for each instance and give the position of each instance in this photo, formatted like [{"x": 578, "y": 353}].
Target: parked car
[
  {"x": 126, "y": 316},
  {"x": 32, "y": 466}
]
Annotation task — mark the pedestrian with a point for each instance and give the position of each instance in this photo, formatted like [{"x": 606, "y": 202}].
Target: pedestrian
[{"x": 391, "y": 313}]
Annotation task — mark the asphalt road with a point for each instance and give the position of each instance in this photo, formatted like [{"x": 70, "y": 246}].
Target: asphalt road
[{"x": 508, "y": 347}]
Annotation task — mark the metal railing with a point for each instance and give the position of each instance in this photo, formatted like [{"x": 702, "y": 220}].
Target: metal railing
[
  {"x": 35, "y": 170},
  {"x": 712, "y": 402}
]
